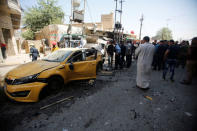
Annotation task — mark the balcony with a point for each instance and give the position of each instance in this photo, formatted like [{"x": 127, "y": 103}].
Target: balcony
[{"x": 14, "y": 6}]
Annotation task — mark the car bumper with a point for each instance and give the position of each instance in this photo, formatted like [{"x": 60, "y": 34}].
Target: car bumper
[{"x": 32, "y": 90}]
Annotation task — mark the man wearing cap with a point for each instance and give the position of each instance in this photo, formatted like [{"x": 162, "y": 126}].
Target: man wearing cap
[
  {"x": 54, "y": 47},
  {"x": 33, "y": 52}
]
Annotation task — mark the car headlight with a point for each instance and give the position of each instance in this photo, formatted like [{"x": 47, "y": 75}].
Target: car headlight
[{"x": 27, "y": 79}]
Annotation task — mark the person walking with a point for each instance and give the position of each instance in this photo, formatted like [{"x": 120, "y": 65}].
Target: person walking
[
  {"x": 34, "y": 53},
  {"x": 170, "y": 59},
  {"x": 123, "y": 53},
  {"x": 145, "y": 54},
  {"x": 191, "y": 63},
  {"x": 117, "y": 57},
  {"x": 3, "y": 50},
  {"x": 182, "y": 56},
  {"x": 160, "y": 52},
  {"x": 155, "y": 62},
  {"x": 128, "y": 54},
  {"x": 110, "y": 53}
]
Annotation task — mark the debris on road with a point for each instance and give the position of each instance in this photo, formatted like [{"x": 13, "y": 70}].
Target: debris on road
[
  {"x": 64, "y": 129},
  {"x": 135, "y": 113},
  {"x": 91, "y": 82},
  {"x": 106, "y": 73},
  {"x": 89, "y": 123},
  {"x": 57, "y": 102},
  {"x": 172, "y": 100},
  {"x": 188, "y": 114},
  {"x": 107, "y": 123},
  {"x": 148, "y": 97},
  {"x": 158, "y": 109}
]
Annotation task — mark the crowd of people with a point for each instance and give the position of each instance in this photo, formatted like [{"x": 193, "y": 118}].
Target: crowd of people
[
  {"x": 170, "y": 55},
  {"x": 165, "y": 56},
  {"x": 123, "y": 52}
]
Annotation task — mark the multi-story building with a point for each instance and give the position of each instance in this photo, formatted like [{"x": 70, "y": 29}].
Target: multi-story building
[
  {"x": 106, "y": 24},
  {"x": 107, "y": 21},
  {"x": 10, "y": 16}
]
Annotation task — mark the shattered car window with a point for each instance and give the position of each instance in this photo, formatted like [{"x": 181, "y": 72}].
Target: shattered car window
[{"x": 57, "y": 56}]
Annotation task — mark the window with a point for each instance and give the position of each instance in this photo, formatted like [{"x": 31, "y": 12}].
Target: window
[
  {"x": 76, "y": 57},
  {"x": 90, "y": 54},
  {"x": 57, "y": 56}
]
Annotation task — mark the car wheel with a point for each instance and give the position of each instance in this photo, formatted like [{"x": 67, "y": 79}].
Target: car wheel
[{"x": 55, "y": 83}]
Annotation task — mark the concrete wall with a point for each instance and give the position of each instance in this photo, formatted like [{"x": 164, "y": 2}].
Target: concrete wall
[
  {"x": 6, "y": 23},
  {"x": 5, "y": 20},
  {"x": 53, "y": 33},
  {"x": 9, "y": 8},
  {"x": 99, "y": 26}
]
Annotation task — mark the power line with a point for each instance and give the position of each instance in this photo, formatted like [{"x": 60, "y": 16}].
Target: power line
[{"x": 89, "y": 12}]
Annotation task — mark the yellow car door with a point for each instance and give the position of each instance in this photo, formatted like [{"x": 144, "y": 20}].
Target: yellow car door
[{"x": 81, "y": 68}]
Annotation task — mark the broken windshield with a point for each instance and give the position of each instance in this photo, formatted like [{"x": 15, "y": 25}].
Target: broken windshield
[{"x": 57, "y": 56}]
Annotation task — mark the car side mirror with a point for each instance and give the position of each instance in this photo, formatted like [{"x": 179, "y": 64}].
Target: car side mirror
[{"x": 71, "y": 66}]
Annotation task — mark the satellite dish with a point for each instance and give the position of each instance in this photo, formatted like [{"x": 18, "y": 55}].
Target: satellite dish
[{"x": 76, "y": 3}]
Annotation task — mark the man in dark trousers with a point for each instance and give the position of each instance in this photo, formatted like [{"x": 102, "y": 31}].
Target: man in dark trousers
[
  {"x": 123, "y": 53},
  {"x": 170, "y": 58},
  {"x": 110, "y": 53},
  {"x": 34, "y": 53},
  {"x": 128, "y": 53},
  {"x": 160, "y": 54},
  {"x": 117, "y": 56},
  {"x": 3, "y": 50},
  {"x": 191, "y": 63}
]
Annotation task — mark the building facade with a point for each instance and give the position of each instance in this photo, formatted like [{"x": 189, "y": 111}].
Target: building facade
[
  {"x": 10, "y": 16},
  {"x": 107, "y": 21},
  {"x": 106, "y": 24}
]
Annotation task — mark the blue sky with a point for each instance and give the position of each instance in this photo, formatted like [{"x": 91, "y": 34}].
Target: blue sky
[{"x": 179, "y": 15}]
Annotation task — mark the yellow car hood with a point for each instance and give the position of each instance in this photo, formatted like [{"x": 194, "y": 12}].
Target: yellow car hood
[{"x": 31, "y": 68}]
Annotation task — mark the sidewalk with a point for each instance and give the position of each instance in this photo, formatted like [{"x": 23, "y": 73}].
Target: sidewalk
[
  {"x": 18, "y": 59},
  {"x": 12, "y": 62}
]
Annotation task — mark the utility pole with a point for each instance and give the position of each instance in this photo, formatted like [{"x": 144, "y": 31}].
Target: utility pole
[
  {"x": 141, "y": 21},
  {"x": 121, "y": 3},
  {"x": 83, "y": 25},
  {"x": 118, "y": 25},
  {"x": 70, "y": 28},
  {"x": 116, "y": 8},
  {"x": 115, "y": 19}
]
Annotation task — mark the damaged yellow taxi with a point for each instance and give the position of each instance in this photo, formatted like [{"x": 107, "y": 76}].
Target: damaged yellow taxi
[{"x": 26, "y": 82}]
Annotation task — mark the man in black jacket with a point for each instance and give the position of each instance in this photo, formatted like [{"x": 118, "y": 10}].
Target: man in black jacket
[
  {"x": 123, "y": 53},
  {"x": 34, "y": 53},
  {"x": 170, "y": 58},
  {"x": 110, "y": 53}
]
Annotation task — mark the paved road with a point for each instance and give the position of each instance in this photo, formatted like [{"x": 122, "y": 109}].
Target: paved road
[{"x": 114, "y": 104}]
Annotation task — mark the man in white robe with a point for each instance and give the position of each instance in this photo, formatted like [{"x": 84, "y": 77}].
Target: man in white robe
[{"x": 145, "y": 54}]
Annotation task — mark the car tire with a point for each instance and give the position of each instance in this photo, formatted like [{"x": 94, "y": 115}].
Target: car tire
[{"x": 55, "y": 84}]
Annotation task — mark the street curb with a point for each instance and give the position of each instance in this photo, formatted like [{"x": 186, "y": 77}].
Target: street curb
[{"x": 9, "y": 65}]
